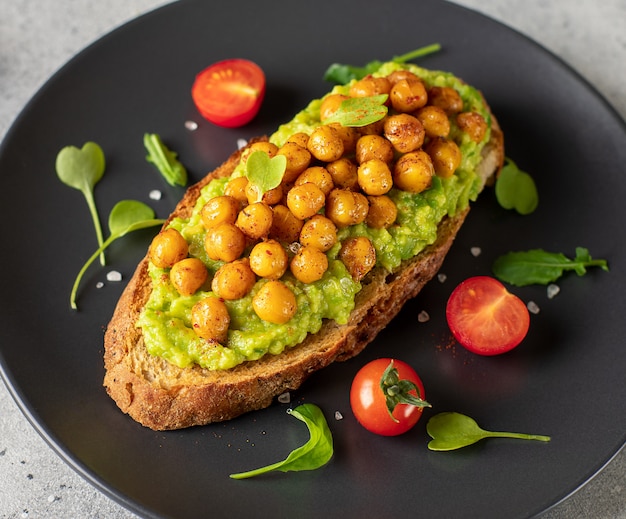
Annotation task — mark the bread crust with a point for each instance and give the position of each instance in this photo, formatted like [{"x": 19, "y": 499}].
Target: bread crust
[{"x": 162, "y": 396}]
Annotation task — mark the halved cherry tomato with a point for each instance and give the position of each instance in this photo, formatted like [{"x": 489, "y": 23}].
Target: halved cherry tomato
[
  {"x": 369, "y": 401},
  {"x": 485, "y": 317},
  {"x": 229, "y": 93}
]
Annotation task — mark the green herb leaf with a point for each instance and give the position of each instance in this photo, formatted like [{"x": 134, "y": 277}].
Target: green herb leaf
[
  {"x": 343, "y": 74},
  {"x": 359, "y": 111},
  {"x": 397, "y": 391},
  {"x": 516, "y": 189},
  {"x": 165, "y": 160},
  {"x": 537, "y": 266},
  {"x": 82, "y": 169},
  {"x": 126, "y": 216},
  {"x": 452, "y": 431},
  {"x": 264, "y": 172},
  {"x": 313, "y": 454}
]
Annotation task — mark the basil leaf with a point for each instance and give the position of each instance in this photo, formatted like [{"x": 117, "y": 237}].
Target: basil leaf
[{"x": 165, "y": 160}]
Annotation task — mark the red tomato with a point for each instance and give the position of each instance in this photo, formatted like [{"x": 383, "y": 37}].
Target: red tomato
[
  {"x": 368, "y": 400},
  {"x": 485, "y": 317},
  {"x": 229, "y": 93}
]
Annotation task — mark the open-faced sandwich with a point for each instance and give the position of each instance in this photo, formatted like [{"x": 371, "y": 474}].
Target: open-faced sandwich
[{"x": 300, "y": 248}]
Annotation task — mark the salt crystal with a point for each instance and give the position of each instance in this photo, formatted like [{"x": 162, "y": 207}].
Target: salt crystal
[
  {"x": 338, "y": 415},
  {"x": 442, "y": 278},
  {"x": 295, "y": 247},
  {"x": 114, "y": 275},
  {"x": 241, "y": 143},
  {"x": 99, "y": 284},
  {"x": 191, "y": 125},
  {"x": 423, "y": 316},
  {"x": 476, "y": 251},
  {"x": 155, "y": 194},
  {"x": 533, "y": 307},
  {"x": 51, "y": 499},
  {"x": 285, "y": 398},
  {"x": 552, "y": 290}
]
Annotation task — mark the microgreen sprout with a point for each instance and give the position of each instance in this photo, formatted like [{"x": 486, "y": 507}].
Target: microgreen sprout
[
  {"x": 165, "y": 160},
  {"x": 265, "y": 173},
  {"x": 516, "y": 189},
  {"x": 359, "y": 111}
]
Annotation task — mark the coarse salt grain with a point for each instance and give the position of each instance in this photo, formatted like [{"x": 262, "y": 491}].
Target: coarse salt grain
[
  {"x": 476, "y": 251},
  {"x": 99, "y": 284},
  {"x": 338, "y": 415},
  {"x": 552, "y": 290},
  {"x": 241, "y": 143},
  {"x": 285, "y": 398},
  {"x": 423, "y": 316},
  {"x": 442, "y": 278},
  {"x": 114, "y": 275},
  {"x": 155, "y": 194},
  {"x": 533, "y": 307},
  {"x": 191, "y": 125}
]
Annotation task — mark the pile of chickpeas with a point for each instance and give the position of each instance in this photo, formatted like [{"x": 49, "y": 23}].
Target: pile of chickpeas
[{"x": 335, "y": 177}]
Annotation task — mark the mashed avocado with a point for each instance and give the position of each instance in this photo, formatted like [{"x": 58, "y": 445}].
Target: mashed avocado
[{"x": 166, "y": 319}]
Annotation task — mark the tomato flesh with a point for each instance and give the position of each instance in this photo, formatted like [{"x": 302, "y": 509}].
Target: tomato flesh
[
  {"x": 485, "y": 317},
  {"x": 229, "y": 93},
  {"x": 368, "y": 404}
]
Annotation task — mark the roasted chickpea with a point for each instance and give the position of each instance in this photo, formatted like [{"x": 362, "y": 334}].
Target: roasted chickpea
[
  {"x": 373, "y": 147},
  {"x": 188, "y": 275},
  {"x": 375, "y": 128},
  {"x": 298, "y": 159},
  {"x": 233, "y": 280},
  {"x": 255, "y": 220},
  {"x": 305, "y": 200},
  {"x": 317, "y": 175},
  {"x": 268, "y": 147},
  {"x": 359, "y": 256},
  {"x": 344, "y": 207},
  {"x": 370, "y": 86},
  {"x": 348, "y": 135},
  {"x": 236, "y": 188},
  {"x": 271, "y": 197},
  {"x": 210, "y": 319},
  {"x": 226, "y": 242},
  {"x": 407, "y": 95},
  {"x": 405, "y": 132},
  {"x": 375, "y": 177},
  {"x": 445, "y": 155},
  {"x": 400, "y": 74},
  {"x": 275, "y": 302},
  {"x": 319, "y": 232},
  {"x": 220, "y": 209},
  {"x": 343, "y": 173},
  {"x": 473, "y": 124},
  {"x": 299, "y": 138},
  {"x": 446, "y": 98},
  {"x": 325, "y": 144},
  {"x": 168, "y": 247},
  {"x": 383, "y": 212},
  {"x": 330, "y": 104},
  {"x": 434, "y": 120},
  {"x": 414, "y": 172},
  {"x": 268, "y": 259},
  {"x": 285, "y": 226},
  {"x": 309, "y": 264}
]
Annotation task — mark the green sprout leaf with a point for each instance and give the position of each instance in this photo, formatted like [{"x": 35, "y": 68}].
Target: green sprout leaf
[
  {"x": 165, "y": 160},
  {"x": 452, "y": 431},
  {"x": 314, "y": 454},
  {"x": 516, "y": 189},
  {"x": 264, "y": 172},
  {"x": 82, "y": 169},
  {"x": 359, "y": 111},
  {"x": 538, "y": 266},
  {"x": 126, "y": 216}
]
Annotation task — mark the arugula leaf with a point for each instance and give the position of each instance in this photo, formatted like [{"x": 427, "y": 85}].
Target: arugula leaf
[
  {"x": 313, "y": 454},
  {"x": 264, "y": 172},
  {"x": 516, "y": 189},
  {"x": 165, "y": 160},
  {"x": 537, "y": 266},
  {"x": 359, "y": 111}
]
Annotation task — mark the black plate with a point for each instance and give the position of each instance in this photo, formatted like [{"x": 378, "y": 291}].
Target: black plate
[{"x": 566, "y": 380}]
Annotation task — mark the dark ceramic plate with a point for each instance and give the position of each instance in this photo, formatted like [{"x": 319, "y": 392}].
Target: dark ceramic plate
[{"x": 566, "y": 380}]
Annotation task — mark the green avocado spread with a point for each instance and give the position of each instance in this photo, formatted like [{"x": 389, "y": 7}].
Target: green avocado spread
[{"x": 166, "y": 319}]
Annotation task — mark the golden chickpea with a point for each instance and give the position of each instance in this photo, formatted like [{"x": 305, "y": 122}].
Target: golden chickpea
[
  {"x": 348, "y": 135},
  {"x": 370, "y": 86},
  {"x": 319, "y": 232},
  {"x": 271, "y": 197},
  {"x": 359, "y": 256},
  {"x": 285, "y": 226},
  {"x": 375, "y": 177},
  {"x": 343, "y": 173},
  {"x": 210, "y": 319},
  {"x": 309, "y": 264},
  {"x": 275, "y": 302},
  {"x": 344, "y": 207},
  {"x": 268, "y": 147},
  {"x": 298, "y": 159},
  {"x": 268, "y": 259},
  {"x": 236, "y": 188},
  {"x": 168, "y": 247},
  {"x": 299, "y": 138},
  {"x": 221, "y": 209},
  {"x": 325, "y": 144},
  {"x": 414, "y": 172},
  {"x": 446, "y": 98},
  {"x": 445, "y": 155},
  {"x": 383, "y": 212},
  {"x": 305, "y": 200},
  {"x": 407, "y": 95},
  {"x": 473, "y": 124},
  {"x": 330, "y": 104},
  {"x": 405, "y": 132},
  {"x": 373, "y": 147},
  {"x": 400, "y": 74},
  {"x": 233, "y": 280},
  {"x": 188, "y": 275},
  {"x": 434, "y": 120},
  {"x": 226, "y": 242},
  {"x": 319, "y": 176},
  {"x": 255, "y": 220},
  {"x": 375, "y": 128}
]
